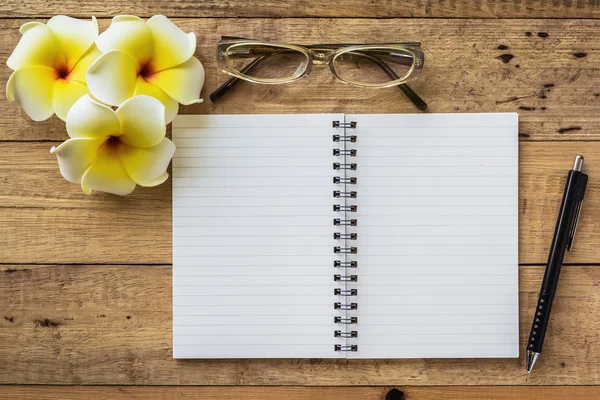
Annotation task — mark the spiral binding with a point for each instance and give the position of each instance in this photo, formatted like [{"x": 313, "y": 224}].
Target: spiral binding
[
  {"x": 338, "y": 166},
  {"x": 343, "y": 152},
  {"x": 343, "y": 347},
  {"x": 339, "y": 221},
  {"x": 340, "y": 193},
  {"x": 349, "y": 236},
  {"x": 346, "y": 321},
  {"x": 338, "y": 207},
  {"x": 345, "y": 278},
  {"x": 345, "y": 292},
  {"x": 345, "y": 249},
  {"x": 340, "y": 306},
  {"x": 340, "y": 334},
  {"x": 345, "y": 264},
  {"x": 337, "y": 179}
]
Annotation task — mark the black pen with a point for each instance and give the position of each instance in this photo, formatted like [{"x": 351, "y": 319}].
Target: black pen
[{"x": 564, "y": 233}]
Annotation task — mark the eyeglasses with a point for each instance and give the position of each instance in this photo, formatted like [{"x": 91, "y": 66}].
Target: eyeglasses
[{"x": 367, "y": 65}]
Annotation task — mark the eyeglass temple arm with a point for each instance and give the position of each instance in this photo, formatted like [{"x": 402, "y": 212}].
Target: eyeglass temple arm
[
  {"x": 413, "y": 96},
  {"x": 407, "y": 90},
  {"x": 233, "y": 81}
]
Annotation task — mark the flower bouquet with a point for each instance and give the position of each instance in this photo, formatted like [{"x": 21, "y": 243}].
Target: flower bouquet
[{"x": 116, "y": 91}]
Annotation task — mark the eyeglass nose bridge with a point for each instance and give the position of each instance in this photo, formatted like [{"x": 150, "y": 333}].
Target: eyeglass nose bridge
[{"x": 320, "y": 56}]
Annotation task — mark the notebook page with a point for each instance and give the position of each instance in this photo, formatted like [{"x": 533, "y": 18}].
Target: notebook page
[
  {"x": 437, "y": 235},
  {"x": 252, "y": 236}
]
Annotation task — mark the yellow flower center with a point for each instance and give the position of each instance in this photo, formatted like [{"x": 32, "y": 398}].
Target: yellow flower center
[
  {"x": 113, "y": 141},
  {"x": 146, "y": 70},
  {"x": 112, "y": 144},
  {"x": 63, "y": 71}
]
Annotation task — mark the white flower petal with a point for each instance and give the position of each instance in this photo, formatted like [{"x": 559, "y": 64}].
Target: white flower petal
[
  {"x": 77, "y": 74},
  {"x": 65, "y": 95},
  {"x": 183, "y": 82},
  {"x": 148, "y": 166},
  {"x": 33, "y": 89},
  {"x": 38, "y": 47},
  {"x": 130, "y": 35},
  {"x": 106, "y": 174},
  {"x": 112, "y": 77},
  {"x": 90, "y": 119},
  {"x": 75, "y": 36},
  {"x": 145, "y": 88},
  {"x": 75, "y": 156},
  {"x": 158, "y": 181},
  {"x": 172, "y": 46},
  {"x": 142, "y": 121}
]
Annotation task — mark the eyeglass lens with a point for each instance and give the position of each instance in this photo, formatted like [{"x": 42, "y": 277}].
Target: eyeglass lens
[
  {"x": 276, "y": 62},
  {"x": 373, "y": 66}
]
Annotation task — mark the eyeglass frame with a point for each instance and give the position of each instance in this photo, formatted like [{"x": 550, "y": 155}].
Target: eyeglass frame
[{"x": 328, "y": 54}]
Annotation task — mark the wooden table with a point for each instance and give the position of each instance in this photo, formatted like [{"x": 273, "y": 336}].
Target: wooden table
[{"x": 85, "y": 282}]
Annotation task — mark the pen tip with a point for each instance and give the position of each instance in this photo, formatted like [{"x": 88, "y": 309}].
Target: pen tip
[{"x": 527, "y": 377}]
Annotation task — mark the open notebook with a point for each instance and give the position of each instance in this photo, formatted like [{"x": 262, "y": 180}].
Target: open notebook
[{"x": 345, "y": 236}]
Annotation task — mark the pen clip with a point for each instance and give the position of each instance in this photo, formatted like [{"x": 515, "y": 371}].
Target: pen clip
[
  {"x": 579, "y": 193},
  {"x": 574, "y": 224}
]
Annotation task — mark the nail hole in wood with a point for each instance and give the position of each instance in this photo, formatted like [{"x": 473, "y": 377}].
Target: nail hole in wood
[{"x": 394, "y": 394}]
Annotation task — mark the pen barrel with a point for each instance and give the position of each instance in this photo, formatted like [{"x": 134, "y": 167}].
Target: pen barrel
[
  {"x": 540, "y": 323},
  {"x": 574, "y": 189}
]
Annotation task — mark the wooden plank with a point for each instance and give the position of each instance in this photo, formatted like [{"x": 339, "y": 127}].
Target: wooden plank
[
  {"x": 297, "y": 393},
  {"x": 468, "y": 69},
  {"x": 311, "y": 8},
  {"x": 44, "y": 219},
  {"x": 93, "y": 325}
]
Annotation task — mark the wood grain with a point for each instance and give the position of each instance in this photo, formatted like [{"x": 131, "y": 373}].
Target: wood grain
[
  {"x": 86, "y": 324},
  {"x": 297, "y": 393},
  {"x": 556, "y": 93},
  {"x": 94, "y": 324},
  {"x": 311, "y": 8},
  {"x": 44, "y": 219}
]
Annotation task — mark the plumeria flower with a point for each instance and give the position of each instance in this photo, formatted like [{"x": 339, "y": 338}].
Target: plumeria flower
[
  {"x": 153, "y": 58},
  {"x": 112, "y": 151},
  {"x": 50, "y": 62}
]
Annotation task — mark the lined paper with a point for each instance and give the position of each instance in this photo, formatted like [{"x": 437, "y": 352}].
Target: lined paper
[
  {"x": 437, "y": 235},
  {"x": 253, "y": 237}
]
